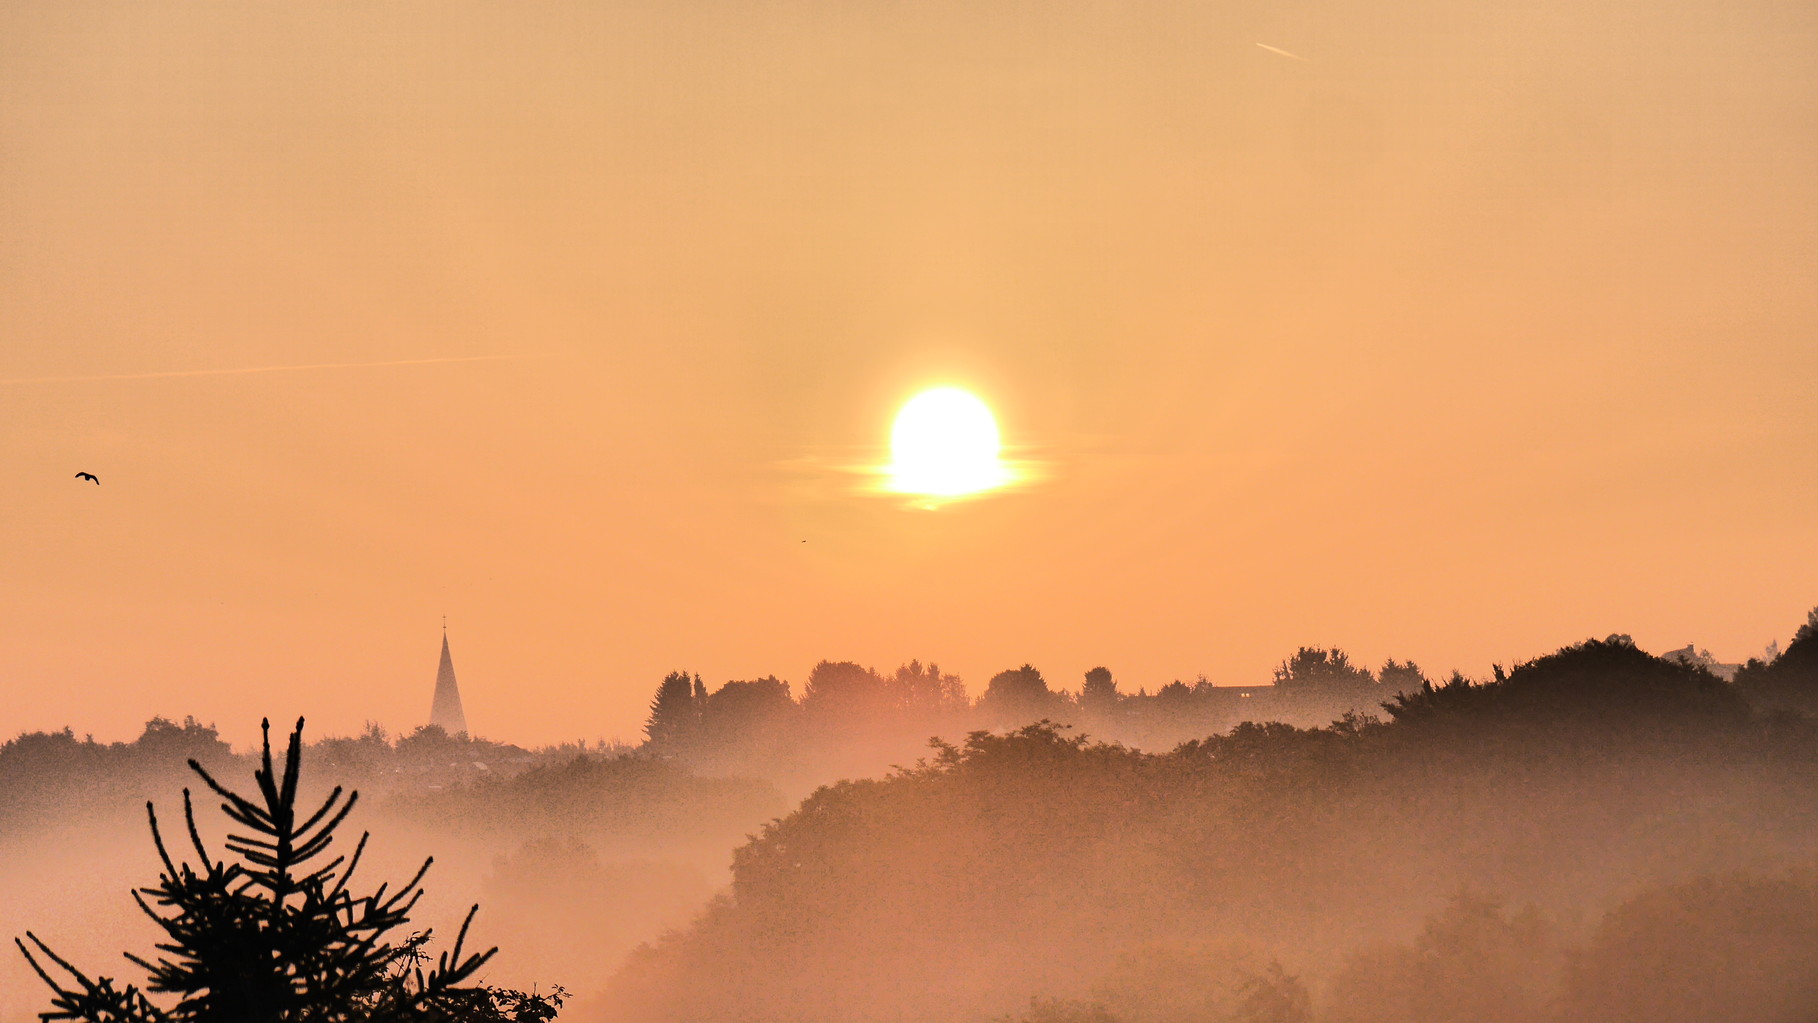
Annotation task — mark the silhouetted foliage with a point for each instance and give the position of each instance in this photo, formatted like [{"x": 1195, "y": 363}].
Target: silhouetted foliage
[
  {"x": 1789, "y": 681},
  {"x": 1400, "y": 677},
  {"x": 847, "y": 692},
  {"x": 1104, "y": 878},
  {"x": 927, "y": 693},
  {"x": 674, "y": 712},
  {"x": 166, "y": 740},
  {"x": 273, "y": 933},
  {"x": 363, "y": 755},
  {"x": 1099, "y": 694},
  {"x": 1595, "y": 685},
  {"x": 42, "y": 772},
  {"x": 1316, "y": 668},
  {"x": 747, "y": 723},
  {"x": 1167, "y": 886},
  {"x": 1018, "y": 697},
  {"x": 744, "y": 705}
]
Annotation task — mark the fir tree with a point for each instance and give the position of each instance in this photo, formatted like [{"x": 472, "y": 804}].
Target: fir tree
[
  {"x": 674, "y": 712},
  {"x": 271, "y": 934}
]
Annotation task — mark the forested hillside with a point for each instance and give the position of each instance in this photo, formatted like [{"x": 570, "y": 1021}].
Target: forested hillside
[{"x": 1596, "y": 834}]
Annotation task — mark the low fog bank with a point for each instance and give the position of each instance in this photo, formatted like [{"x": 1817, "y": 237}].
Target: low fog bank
[
  {"x": 575, "y": 854},
  {"x": 1597, "y": 835}
]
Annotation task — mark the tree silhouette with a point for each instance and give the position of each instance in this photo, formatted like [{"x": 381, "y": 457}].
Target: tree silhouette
[
  {"x": 741, "y": 707},
  {"x": 1591, "y": 687},
  {"x": 1099, "y": 694},
  {"x": 924, "y": 689},
  {"x": 1313, "y": 668},
  {"x": 1018, "y": 697},
  {"x": 674, "y": 712},
  {"x": 269, "y": 934},
  {"x": 846, "y": 693},
  {"x": 1790, "y": 680},
  {"x": 747, "y": 720},
  {"x": 1397, "y": 677}
]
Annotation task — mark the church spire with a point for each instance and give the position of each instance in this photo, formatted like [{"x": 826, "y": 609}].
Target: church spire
[{"x": 446, "y": 711}]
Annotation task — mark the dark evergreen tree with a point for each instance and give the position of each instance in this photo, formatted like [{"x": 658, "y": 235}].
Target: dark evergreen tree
[
  {"x": 674, "y": 712},
  {"x": 1596, "y": 685},
  {"x": 271, "y": 934}
]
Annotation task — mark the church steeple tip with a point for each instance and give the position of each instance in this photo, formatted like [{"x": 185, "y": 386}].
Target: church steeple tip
[{"x": 445, "y": 711}]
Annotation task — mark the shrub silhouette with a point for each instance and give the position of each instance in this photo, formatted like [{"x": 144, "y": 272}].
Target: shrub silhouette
[
  {"x": 1790, "y": 681},
  {"x": 270, "y": 934},
  {"x": 1597, "y": 684}
]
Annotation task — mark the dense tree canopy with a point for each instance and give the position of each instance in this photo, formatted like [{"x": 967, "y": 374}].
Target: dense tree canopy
[
  {"x": 1789, "y": 681},
  {"x": 1569, "y": 778}
]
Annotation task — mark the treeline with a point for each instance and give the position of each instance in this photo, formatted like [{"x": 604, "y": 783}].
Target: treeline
[
  {"x": 1594, "y": 834},
  {"x": 45, "y": 771},
  {"x": 1789, "y": 680},
  {"x": 1554, "y": 836},
  {"x": 854, "y": 720}
]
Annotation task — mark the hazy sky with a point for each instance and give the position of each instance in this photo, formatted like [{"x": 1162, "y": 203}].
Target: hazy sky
[{"x": 1481, "y": 329}]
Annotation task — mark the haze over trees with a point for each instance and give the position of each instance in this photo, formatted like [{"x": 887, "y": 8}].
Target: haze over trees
[
  {"x": 853, "y": 719},
  {"x": 1595, "y": 835},
  {"x": 1487, "y": 852}
]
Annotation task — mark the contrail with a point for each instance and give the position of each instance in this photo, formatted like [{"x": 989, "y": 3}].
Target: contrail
[
  {"x": 1285, "y": 53},
  {"x": 259, "y": 369}
]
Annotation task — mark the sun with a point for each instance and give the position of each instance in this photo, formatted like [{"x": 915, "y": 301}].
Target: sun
[{"x": 945, "y": 444}]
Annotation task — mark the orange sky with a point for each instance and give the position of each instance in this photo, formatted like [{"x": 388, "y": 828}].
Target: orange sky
[{"x": 1482, "y": 329}]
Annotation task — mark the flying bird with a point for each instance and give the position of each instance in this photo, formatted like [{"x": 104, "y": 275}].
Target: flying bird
[{"x": 89, "y": 476}]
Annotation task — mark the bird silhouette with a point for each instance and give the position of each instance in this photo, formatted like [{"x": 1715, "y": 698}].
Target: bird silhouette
[{"x": 89, "y": 476}]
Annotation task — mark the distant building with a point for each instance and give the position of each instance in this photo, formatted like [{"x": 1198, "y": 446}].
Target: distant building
[
  {"x": 1690, "y": 654},
  {"x": 446, "y": 713}
]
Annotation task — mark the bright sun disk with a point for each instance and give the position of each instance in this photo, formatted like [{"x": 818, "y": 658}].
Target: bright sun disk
[{"x": 945, "y": 444}]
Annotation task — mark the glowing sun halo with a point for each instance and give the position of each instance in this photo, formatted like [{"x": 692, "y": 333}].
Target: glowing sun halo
[{"x": 945, "y": 444}]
